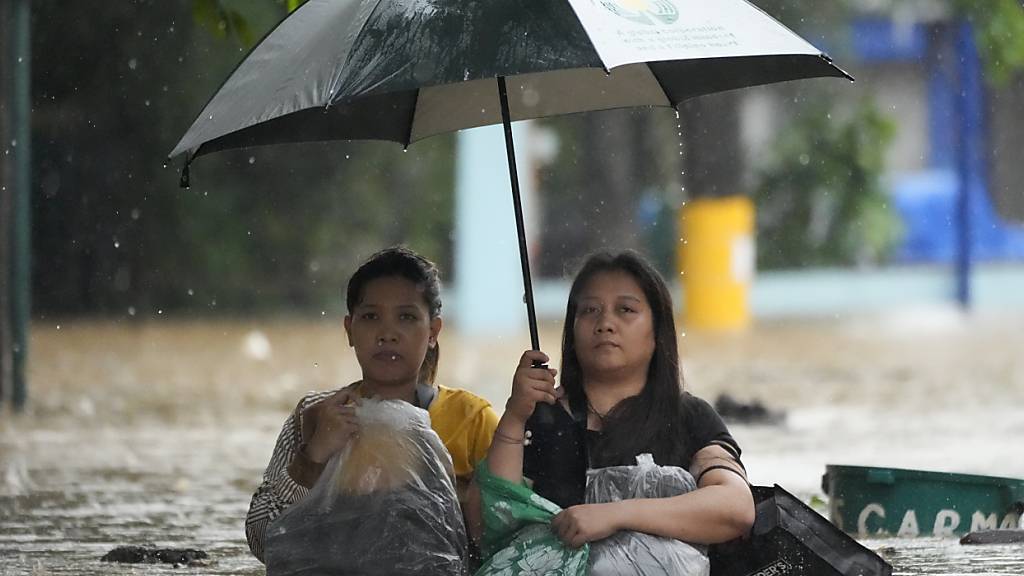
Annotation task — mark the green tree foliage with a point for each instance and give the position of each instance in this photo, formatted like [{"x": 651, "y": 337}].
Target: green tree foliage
[
  {"x": 999, "y": 30},
  {"x": 115, "y": 85},
  {"x": 820, "y": 200}
]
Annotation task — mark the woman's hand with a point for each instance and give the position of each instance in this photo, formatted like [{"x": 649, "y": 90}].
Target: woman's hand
[
  {"x": 531, "y": 385},
  {"x": 577, "y": 525},
  {"x": 336, "y": 424}
]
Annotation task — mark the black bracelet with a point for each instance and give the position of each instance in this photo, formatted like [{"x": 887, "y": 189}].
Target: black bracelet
[{"x": 720, "y": 467}]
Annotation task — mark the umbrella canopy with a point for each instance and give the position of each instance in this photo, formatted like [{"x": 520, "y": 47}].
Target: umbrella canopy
[{"x": 404, "y": 70}]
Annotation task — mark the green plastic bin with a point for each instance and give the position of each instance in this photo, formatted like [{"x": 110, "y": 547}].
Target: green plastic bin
[{"x": 868, "y": 501}]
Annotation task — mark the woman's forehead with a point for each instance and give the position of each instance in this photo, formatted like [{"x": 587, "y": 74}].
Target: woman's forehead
[
  {"x": 612, "y": 284},
  {"x": 392, "y": 291}
]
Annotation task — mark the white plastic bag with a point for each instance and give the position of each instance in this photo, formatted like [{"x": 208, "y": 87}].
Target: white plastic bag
[
  {"x": 635, "y": 553},
  {"x": 385, "y": 505}
]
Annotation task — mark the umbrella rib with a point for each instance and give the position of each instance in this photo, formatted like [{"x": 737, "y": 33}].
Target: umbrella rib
[
  {"x": 412, "y": 118},
  {"x": 668, "y": 97}
]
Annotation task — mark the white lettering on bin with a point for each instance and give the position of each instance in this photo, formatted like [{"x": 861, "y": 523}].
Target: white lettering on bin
[
  {"x": 862, "y": 519},
  {"x": 946, "y": 522},
  {"x": 981, "y": 522},
  {"x": 909, "y": 527}
]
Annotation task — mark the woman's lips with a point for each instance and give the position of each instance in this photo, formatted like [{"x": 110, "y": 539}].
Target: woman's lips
[{"x": 387, "y": 356}]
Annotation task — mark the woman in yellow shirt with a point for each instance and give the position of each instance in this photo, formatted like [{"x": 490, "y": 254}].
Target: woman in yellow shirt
[{"x": 393, "y": 321}]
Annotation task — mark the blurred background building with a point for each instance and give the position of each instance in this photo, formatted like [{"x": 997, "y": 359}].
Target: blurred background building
[{"x": 900, "y": 189}]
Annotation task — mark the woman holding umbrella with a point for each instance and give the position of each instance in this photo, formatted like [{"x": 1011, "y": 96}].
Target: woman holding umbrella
[{"x": 621, "y": 380}]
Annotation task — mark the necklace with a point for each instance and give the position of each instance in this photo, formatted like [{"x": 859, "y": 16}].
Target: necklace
[{"x": 592, "y": 410}]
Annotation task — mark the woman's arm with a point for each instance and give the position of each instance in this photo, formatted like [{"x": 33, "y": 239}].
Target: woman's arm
[
  {"x": 278, "y": 490},
  {"x": 505, "y": 456},
  {"x": 719, "y": 510}
]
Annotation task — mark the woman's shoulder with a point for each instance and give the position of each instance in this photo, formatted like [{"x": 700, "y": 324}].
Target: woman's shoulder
[
  {"x": 695, "y": 404},
  {"x": 316, "y": 396}
]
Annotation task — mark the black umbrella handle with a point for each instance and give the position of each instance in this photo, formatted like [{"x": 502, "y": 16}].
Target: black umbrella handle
[{"x": 517, "y": 202}]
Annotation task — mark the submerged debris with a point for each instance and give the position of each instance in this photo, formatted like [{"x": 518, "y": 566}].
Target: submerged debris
[
  {"x": 753, "y": 412},
  {"x": 1012, "y": 536},
  {"x": 142, "y": 555}
]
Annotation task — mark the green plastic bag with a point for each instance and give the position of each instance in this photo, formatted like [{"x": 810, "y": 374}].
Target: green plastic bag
[{"x": 517, "y": 537}]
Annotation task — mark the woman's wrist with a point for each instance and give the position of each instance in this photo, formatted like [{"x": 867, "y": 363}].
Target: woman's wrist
[
  {"x": 623, "y": 511},
  {"x": 512, "y": 424}
]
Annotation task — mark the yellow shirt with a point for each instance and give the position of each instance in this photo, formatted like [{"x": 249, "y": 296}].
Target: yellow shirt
[{"x": 465, "y": 422}]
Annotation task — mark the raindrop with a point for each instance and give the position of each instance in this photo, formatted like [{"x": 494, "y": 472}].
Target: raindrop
[
  {"x": 191, "y": 292},
  {"x": 682, "y": 334},
  {"x": 805, "y": 159},
  {"x": 131, "y": 310},
  {"x": 159, "y": 311},
  {"x": 135, "y": 214},
  {"x": 346, "y": 156},
  {"x": 147, "y": 102},
  {"x": 133, "y": 64},
  {"x": 116, "y": 243},
  {"x": 252, "y": 159},
  {"x": 58, "y": 326},
  {"x": 14, "y": 143},
  {"x": 316, "y": 364},
  {"x": 323, "y": 312}
]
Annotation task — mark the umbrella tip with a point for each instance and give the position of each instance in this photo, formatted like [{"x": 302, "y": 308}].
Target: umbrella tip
[{"x": 186, "y": 180}]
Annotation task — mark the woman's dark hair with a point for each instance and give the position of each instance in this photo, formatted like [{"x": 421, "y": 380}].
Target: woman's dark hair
[
  {"x": 401, "y": 262},
  {"x": 650, "y": 422}
]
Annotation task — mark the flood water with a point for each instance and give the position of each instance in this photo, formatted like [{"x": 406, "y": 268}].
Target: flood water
[{"x": 156, "y": 433}]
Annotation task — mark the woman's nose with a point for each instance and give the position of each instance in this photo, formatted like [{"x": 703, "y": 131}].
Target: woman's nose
[{"x": 604, "y": 324}]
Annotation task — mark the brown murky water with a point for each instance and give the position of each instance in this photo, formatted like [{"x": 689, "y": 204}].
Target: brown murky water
[{"x": 156, "y": 433}]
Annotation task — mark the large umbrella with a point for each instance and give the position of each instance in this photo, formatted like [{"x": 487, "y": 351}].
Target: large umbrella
[{"x": 404, "y": 70}]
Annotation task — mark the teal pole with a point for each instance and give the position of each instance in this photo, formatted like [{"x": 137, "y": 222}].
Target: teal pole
[{"x": 21, "y": 240}]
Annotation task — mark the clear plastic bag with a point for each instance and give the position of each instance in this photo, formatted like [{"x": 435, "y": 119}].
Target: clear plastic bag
[
  {"x": 634, "y": 553},
  {"x": 385, "y": 505}
]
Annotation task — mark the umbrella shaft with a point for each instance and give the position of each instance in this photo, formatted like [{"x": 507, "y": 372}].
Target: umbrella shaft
[{"x": 517, "y": 202}]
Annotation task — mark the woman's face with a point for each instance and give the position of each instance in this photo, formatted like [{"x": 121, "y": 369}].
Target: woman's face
[
  {"x": 613, "y": 328},
  {"x": 390, "y": 330}
]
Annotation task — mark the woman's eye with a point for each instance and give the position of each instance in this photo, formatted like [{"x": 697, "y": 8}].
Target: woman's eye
[
  {"x": 369, "y": 316},
  {"x": 408, "y": 317},
  {"x": 626, "y": 309},
  {"x": 588, "y": 309}
]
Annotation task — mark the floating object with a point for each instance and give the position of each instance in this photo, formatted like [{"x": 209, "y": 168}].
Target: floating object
[
  {"x": 142, "y": 555},
  {"x": 789, "y": 537},
  {"x": 994, "y": 537},
  {"x": 869, "y": 501},
  {"x": 753, "y": 412}
]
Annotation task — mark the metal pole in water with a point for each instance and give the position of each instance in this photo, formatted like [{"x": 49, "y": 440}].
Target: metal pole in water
[
  {"x": 5, "y": 206},
  {"x": 20, "y": 194}
]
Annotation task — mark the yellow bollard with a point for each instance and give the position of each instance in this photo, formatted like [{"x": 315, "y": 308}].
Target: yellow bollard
[{"x": 716, "y": 258}]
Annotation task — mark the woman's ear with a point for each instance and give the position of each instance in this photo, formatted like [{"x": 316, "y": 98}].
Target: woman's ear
[
  {"x": 435, "y": 328},
  {"x": 348, "y": 328}
]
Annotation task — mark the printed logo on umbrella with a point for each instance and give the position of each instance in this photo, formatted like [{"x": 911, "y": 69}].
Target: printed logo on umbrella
[{"x": 648, "y": 12}]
